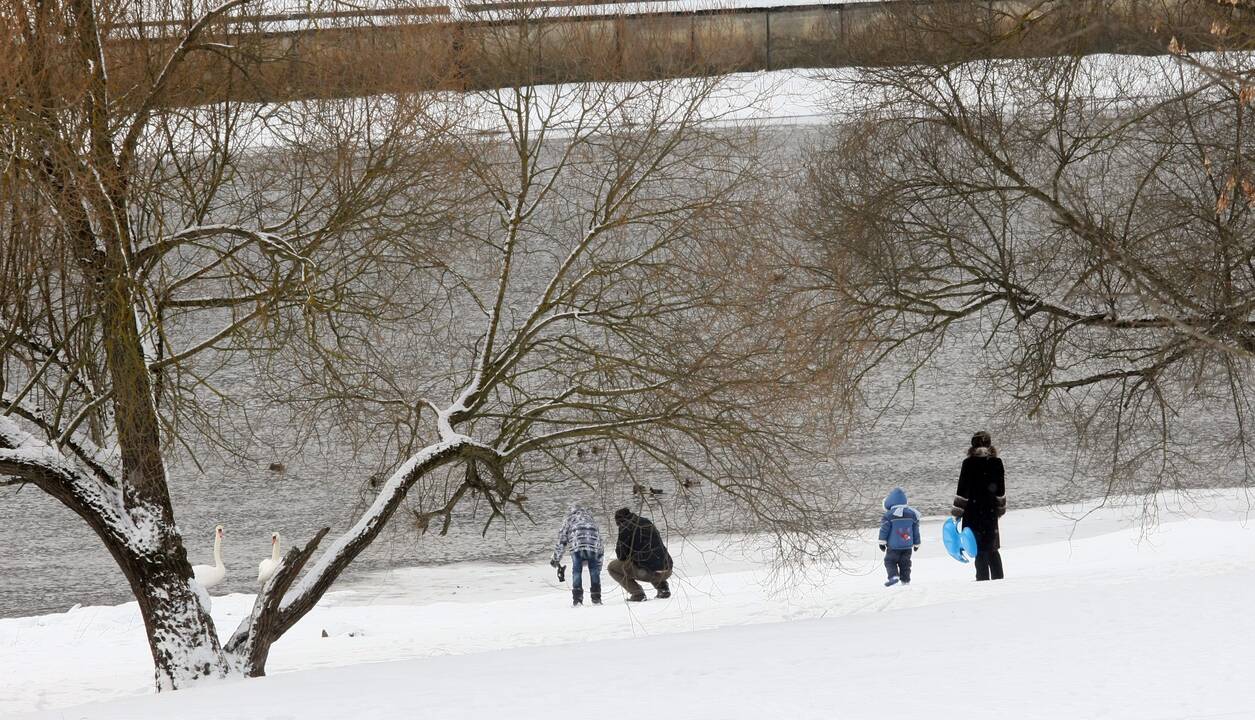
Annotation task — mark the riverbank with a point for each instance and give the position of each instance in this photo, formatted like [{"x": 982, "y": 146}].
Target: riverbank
[{"x": 1101, "y": 617}]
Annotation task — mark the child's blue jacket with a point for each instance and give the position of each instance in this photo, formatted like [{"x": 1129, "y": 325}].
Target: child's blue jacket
[{"x": 899, "y": 527}]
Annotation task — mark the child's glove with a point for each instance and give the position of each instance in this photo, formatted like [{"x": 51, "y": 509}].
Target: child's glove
[
  {"x": 883, "y": 547},
  {"x": 553, "y": 563},
  {"x": 915, "y": 549}
]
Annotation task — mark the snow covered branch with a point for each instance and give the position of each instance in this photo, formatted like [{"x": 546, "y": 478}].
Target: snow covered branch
[
  {"x": 250, "y": 645},
  {"x": 27, "y": 459},
  {"x": 265, "y": 237},
  {"x": 340, "y": 553},
  {"x": 23, "y": 456},
  {"x": 92, "y": 457}
]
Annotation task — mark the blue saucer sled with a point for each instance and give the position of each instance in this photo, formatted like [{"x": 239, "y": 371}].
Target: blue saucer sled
[{"x": 960, "y": 545}]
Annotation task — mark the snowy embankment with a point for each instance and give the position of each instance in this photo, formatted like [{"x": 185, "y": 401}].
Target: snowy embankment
[{"x": 1101, "y": 619}]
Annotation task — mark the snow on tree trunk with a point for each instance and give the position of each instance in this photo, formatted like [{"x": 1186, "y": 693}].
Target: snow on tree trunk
[
  {"x": 181, "y": 635},
  {"x": 144, "y": 542}
]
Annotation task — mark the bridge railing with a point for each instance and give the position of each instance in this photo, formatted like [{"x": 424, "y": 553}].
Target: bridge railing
[{"x": 511, "y": 42}]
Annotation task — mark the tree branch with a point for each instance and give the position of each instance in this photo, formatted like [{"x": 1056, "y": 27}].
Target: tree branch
[{"x": 250, "y": 644}]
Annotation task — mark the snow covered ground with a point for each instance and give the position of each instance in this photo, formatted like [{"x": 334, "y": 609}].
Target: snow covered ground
[{"x": 1101, "y": 618}]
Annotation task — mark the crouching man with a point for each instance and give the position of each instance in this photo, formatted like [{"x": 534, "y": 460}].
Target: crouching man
[{"x": 641, "y": 556}]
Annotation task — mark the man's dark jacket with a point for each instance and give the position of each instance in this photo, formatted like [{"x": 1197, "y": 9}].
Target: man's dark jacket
[{"x": 640, "y": 543}]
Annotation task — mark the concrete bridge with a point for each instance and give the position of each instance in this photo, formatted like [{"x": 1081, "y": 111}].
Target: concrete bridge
[{"x": 280, "y": 56}]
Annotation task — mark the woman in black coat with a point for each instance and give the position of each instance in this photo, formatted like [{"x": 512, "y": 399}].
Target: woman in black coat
[{"x": 980, "y": 500}]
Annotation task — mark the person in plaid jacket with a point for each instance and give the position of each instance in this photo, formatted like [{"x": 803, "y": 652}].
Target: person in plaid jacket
[{"x": 580, "y": 533}]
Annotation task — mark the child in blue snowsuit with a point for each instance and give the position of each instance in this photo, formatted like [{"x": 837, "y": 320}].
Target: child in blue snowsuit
[{"x": 899, "y": 536}]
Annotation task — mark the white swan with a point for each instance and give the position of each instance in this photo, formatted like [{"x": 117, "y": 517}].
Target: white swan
[
  {"x": 267, "y": 567},
  {"x": 211, "y": 575}
]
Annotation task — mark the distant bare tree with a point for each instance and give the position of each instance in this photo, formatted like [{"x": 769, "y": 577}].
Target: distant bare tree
[
  {"x": 1090, "y": 217},
  {"x": 475, "y": 283}
]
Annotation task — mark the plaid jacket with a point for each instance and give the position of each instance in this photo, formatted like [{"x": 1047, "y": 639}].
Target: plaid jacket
[{"x": 579, "y": 533}]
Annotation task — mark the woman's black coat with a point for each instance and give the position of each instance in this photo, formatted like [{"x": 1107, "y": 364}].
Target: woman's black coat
[{"x": 981, "y": 497}]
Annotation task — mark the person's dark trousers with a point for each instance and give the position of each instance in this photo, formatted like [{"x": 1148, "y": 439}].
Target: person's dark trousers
[
  {"x": 988, "y": 560},
  {"x": 989, "y": 565},
  {"x": 629, "y": 576},
  {"x": 898, "y": 564}
]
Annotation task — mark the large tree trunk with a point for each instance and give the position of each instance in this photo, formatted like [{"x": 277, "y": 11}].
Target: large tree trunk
[{"x": 181, "y": 635}]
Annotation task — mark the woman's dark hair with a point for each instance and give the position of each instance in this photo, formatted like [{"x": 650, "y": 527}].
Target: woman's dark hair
[{"x": 982, "y": 441}]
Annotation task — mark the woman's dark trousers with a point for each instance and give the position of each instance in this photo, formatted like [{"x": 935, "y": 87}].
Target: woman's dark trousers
[{"x": 988, "y": 560}]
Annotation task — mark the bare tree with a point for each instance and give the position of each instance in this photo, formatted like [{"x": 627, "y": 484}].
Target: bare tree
[
  {"x": 475, "y": 284},
  {"x": 1090, "y": 217},
  {"x": 141, "y": 241},
  {"x": 606, "y": 291}
]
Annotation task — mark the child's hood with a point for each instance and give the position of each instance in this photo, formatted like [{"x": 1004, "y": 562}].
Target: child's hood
[{"x": 895, "y": 498}]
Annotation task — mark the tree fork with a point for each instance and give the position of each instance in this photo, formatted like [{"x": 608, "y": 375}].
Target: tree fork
[{"x": 250, "y": 644}]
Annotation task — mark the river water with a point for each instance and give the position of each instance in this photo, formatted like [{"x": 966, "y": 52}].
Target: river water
[{"x": 50, "y": 561}]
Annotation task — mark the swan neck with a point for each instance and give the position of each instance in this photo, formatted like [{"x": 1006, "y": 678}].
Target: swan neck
[
  {"x": 274, "y": 551},
  {"x": 218, "y": 551}
]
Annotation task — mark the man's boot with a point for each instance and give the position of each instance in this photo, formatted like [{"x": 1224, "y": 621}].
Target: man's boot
[
  {"x": 664, "y": 590},
  {"x": 577, "y": 597},
  {"x": 595, "y": 595}
]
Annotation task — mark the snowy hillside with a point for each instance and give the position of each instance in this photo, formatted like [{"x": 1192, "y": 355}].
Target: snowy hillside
[{"x": 1101, "y": 619}]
